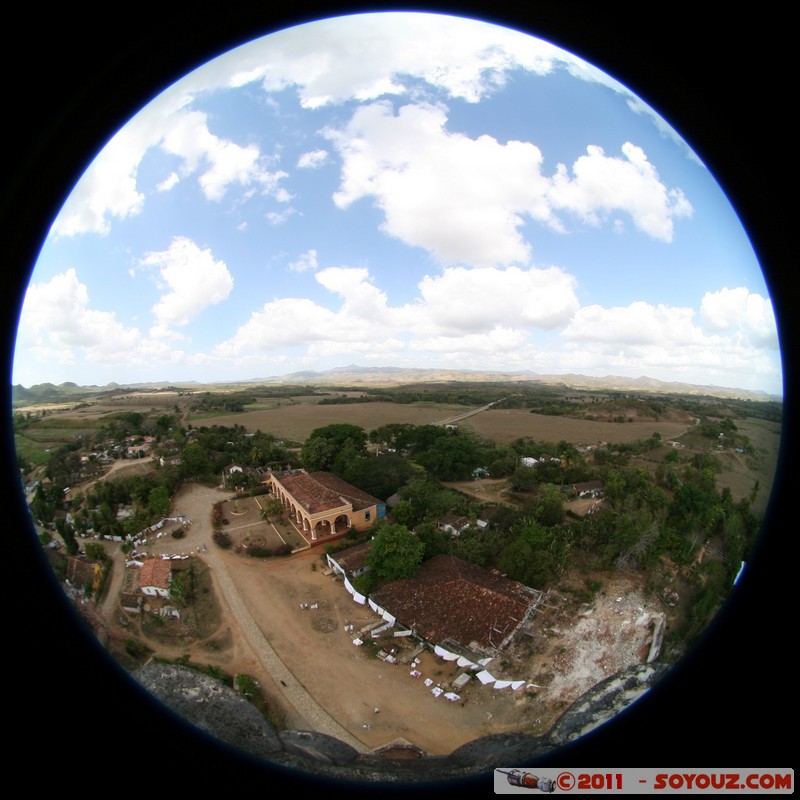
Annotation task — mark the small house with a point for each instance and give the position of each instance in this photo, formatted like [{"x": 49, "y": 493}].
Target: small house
[
  {"x": 155, "y": 575},
  {"x": 453, "y": 524}
]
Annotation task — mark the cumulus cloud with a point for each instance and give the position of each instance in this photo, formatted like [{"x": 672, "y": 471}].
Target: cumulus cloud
[
  {"x": 477, "y": 310},
  {"x": 601, "y": 185},
  {"x": 279, "y": 217},
  {"x": 460, "y": 300},
  {"x": 367, "y": 56},
  {"x": 740, "y": 311},
  {"x": 58, "y": 322},
  {"x": 195, "y": 278},
  {"x": 705, "y": 347},
  {"x": 637, "y": 323},
  {"x": 461, "y": 199},
  {"x": 109, "y": 188},
  {"x": 466, "y": 200},
  {"x": 220, "y": 162},
  {"x": 363, "y": 57},
  {"x": 169, "y": 182}
]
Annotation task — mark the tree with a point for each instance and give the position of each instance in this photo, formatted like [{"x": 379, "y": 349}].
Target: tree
[
  {"x": 271, "y": 508},
  {"x": 524, "y": 478},
  {"x": 452, "y": 457},
  {"x": 65, "y": 531},
  {"x": 396, "y": 553},
  {"x": 195, "y": 462},
  {"x": 95, "y": 551},
  {"x": 436, "y": 542},
  {"x": 548, "y": 507},
  {"x": 322, "y": 448},
  {"x": 529, "y": 557},
  {"x": 380, "y": 476},
  {"x": 158, "y": 501}
]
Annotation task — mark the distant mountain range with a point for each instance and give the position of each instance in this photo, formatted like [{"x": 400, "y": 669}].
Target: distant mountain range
[{"x": 395, "y": 376}]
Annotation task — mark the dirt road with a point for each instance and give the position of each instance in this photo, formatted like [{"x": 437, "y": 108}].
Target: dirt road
[{"x": 287, "y": 624}]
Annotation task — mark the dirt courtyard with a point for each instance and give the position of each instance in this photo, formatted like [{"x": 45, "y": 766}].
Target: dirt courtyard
[{"x": 306, "y": 615}]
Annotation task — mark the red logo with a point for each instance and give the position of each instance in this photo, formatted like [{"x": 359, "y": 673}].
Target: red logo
[{"x": 565, "y": 781}]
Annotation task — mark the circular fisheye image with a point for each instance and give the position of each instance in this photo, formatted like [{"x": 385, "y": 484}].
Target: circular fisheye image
[{"x": 396, "y": 397}]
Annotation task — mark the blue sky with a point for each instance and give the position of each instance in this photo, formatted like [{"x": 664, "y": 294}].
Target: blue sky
[{"x": 397, "y": 190}]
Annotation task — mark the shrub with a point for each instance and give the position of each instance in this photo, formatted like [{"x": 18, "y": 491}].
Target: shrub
[
  {"x": 246, "y": 685},
  {"x": 222, "y": 539},
  {"x": 259, "y": 552},
  {"x": 178, "y": 534},
  {"x": 282, "y": 550}
]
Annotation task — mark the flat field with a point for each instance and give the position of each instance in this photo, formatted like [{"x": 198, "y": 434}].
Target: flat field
[
  {"x": 502, "y": 426},
  {"x": 296, "y": 422}
]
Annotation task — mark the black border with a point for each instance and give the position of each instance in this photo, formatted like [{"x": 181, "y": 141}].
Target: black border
[{"x": 73, "y": 77}]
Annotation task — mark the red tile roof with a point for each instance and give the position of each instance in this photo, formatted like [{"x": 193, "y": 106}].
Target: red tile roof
[
  {"x": 81, "y": 571},
  {"x": 323, "y": 491},
  {"x": 155, "y": 572},
  {"x": 453, "y": 599},
  {"x": 353, "y": 558}
]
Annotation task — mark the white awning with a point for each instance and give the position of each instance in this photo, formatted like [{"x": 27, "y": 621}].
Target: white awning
[
  {"x": 516, "y": 684},
  {"x": 376, "y": 608},
  {"x": 484, "y": 677},
  {"x": 359, "y": 598},
  {"x": 445, "y": 654},
  {"x": 502, "y": 684}
]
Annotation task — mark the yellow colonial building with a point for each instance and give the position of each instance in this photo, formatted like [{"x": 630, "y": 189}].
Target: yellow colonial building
[{"x": 322, "y": 505}]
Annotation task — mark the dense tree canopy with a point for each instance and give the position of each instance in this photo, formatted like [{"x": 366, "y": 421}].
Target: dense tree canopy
[
  {"x": 396, "y": 553},
  {"x": 330, "y": 444}
]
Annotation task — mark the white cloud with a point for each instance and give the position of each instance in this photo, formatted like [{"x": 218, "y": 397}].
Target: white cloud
[
  {"x": 630, "y": 184},
  {"x": 740, "y": 311},
  {"x": 367, "y": 56},
  {"x": 169, "y": 182},
  {"x": 220, "y": 162},
  {"x": 195, "y": 278},
  {"x": 478, "y": 310},
  {"x": 57, "y": 322},
  {"x": 279, "y": 217},
  {"x": 362, "y": 57},
  {"x": 306, "y": 261},
  {"x": 468, "y": 347},
  {"x": 461, "y": 301},
  {"x": 108, "y": 189},
  {"x": 313, "y": 159},
  {"x": 466, "y": 200},
  {"x": 642, "y": 339},
  {"x": 461, "y": 199},
  {"x": 638, "y": 323}
]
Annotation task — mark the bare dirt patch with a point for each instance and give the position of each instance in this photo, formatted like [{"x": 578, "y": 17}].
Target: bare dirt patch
[
  {"x": 306, "y": 617},
  {"x": 506, "y": 425}
]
